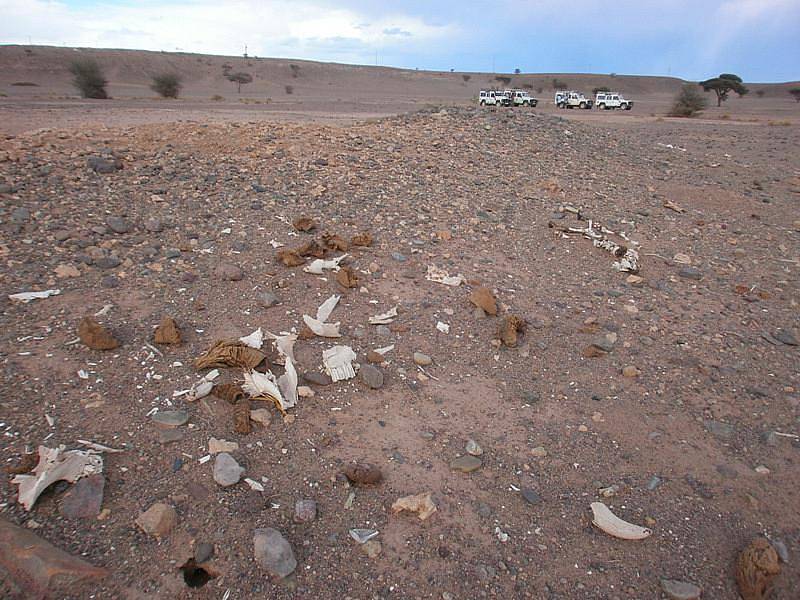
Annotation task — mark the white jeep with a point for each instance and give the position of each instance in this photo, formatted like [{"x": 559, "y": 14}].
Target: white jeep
[
  {"x": 571, "y": 99},
  {"x": 493, "y": 98},
  {"x": 522, "y": 98},
  {"x": 609, "y": 100}
]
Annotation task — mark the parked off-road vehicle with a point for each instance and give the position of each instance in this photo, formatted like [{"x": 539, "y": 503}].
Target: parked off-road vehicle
[
  {"x": 522, "y": 98},
  {"x": 609, "y": 100},
  {"x": 571, "y": 99},
  {"x": 494, "y": 98}
]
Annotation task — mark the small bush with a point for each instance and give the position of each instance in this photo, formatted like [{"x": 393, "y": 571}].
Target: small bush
[
  {"x": 688, "y": 102},
  {"x": 795, "y": 92},
  {"x": 558, "y": 84},
  {"x": 760, "y": 93},
  {"x": 466, "y": 77},
  {"x": 217, "y": 98},
  {"x": 539, "y": 90},
  {"x": 88, "y": 78},
  {"x": 295, "y": 70},
  {"x": 166, "y": 85},
  {"x": 289, "y": 90},
  {"x": 527, "y": 86},
  {"x": 602, "y": 88},
  {"x": 25, "y": 84},
  {"x": 503, "y": 79}
]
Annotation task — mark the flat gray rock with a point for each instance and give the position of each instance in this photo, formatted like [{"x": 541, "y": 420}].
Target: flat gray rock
[
  {"x": 171, "y": 418},
  {"x": 227, "y": 471},
  {"x": 372, "y": 376},
  {"x": 273, "y": 552},
  {"x": 466, "y": 463},
  {"x": 680, "y": 590}
]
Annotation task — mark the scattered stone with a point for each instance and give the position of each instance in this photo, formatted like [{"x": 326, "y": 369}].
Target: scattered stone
[
  {"x": 786, "y": 337},
  {"x": 118, "y": 225},
  {"x": 227, "y": 471},
  {"x": 718, "y": 428},
  {"x": 158, "y": 520},
  {"x": 680, "y": 590},
  {"x": 228, "y": 272},
  {"x": 216, "y": 446},
  {"x": 690, "y": 273},
  {"x": 65, "y": 270},
  {"x": 167, "y": 332},
  {"x": 268, "y": 299},
  {"x": 154, "y": 225},
  {"x": 169, "y": 436},
  {"x": 102, "y": 165},
  {"x": 261, "y": 415},
  {"x": 84, "y": 499},
  {"x": 422, "y": 504},
  {"x": 483, "y": 298},
  {"x": 304, "y": 224},
  {"x": 466, "y": 464},
  {"x": 530, "y": 496},
  {"x": 203, "y": 551},
  {"x": 372, "y": 376},
  {"x": 305, "y": 511},
  {"x": 317, "y": 378},
  {"x": 539, "y": 452},
  {"x": 372, "y": 548},
  {"x": 362, "y": 473},
  {"x": 473, "y": 448},
  {"x": 423, "y": 360},
  {"x": 107, "y": 262},
  {"x": 95, "y": 336},
  {"x": 171, "y": 418},
  {"x": 109, "y": 281},
  {"x": 375, "y": 357},
  {"x": 273, "y": 552},
  {"x": 630, "y": 371}
]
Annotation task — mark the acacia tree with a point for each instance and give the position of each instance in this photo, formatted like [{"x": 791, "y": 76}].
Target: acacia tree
[
  {"x": 240, "y": 78},
  {"x": 795, "y": 92},
  {"x": 724, "y": 85}
]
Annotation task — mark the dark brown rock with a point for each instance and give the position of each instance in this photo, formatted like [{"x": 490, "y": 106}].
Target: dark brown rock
[
  {"x": 363, "y": 473},
  {"x": 84, "y": 499}
]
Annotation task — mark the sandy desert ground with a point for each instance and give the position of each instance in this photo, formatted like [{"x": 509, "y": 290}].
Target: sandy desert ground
[{"x": 671, "y": 394}]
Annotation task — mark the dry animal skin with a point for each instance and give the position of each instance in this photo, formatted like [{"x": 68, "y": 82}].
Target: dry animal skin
[
  {"x": 607, "y": 521},
  {"x": 318, "y": 266},
  {"x": 326, "y": 308},
  {"x": 333, "y": 241},
  {"x": 483, "y": 298},
  {"x": 509, "y": 330},
  {"x": 304, "y": 224},
  {"x": 56, "y": 465},
  {"x": 290, "y": 258},
  {"x": 364, "y": 473},
  {"x": 230, "y": 353},
  {"x": 422, "y": 504},
  {"x": 437, "y": 275},
  {"x": 756, "y": 567},
  {"x": 338, "y": 362},
  {"x": 384, "y": 318},
  {"x": 347, "y": 278},
  {"x": 230, "y": 392},
  {"x": 311, "y": 248},
  {"x": 167, "y": 332},
  {"x": 95, "y": 336},
  {"x": 241, "y": 416},
  {"x": 26, "y": 297},
  {"x": 254, "y": 340},
  {"x": 329, "y": 330},
  {"x": 363, "y": 239}
]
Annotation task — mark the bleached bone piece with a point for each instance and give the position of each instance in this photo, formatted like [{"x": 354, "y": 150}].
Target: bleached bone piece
[
  {"x": 326, "y": 308},
  {"x": 254, "y": 340},
  {"x": 287, "y": 383},
  {"x": 384, "y": 318},
  {"x": 318, "y": 266},
  {"x": 613, "y": 525},
  {"x": 384, "y": 350},
  {"x": 26, "y": 297},
  {"x": 262, "y": 385},
  {"x": 330, "y": 330},
  {"x": 338, "y": 362},
  {"x": 438, "y": 275},
  {"x": 56, "y": 465},
  {"x": 284, "y": 344}
]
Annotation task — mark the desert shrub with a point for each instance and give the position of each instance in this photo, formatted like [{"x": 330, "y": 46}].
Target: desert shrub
[
  {"x": 25, "y": 84},
  {"x": 466, "y": 77},
  {"x": 795, "y": 92},
  {"x": 239, "y": 79},
  {"x": 688, "y": 102},
  {"x": 527, "y": 86},
  {"x": 88, "y": 78},
  {"x": 505, "y": 80},
  {"x": 289, "y": 90},
  {"x": 602, "y": 88},
  {"x": 539, "y": 90},
  {"x": 295, "y": 70},
  {"x": 166, "y": 85},
  {"x": 558, "y": 84},
  {"x": 760, "y": 93},
  {"x": 217, "y": 98}
]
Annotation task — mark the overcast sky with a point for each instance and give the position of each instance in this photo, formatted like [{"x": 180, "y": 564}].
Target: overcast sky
[{"x": 693, "y": 39}]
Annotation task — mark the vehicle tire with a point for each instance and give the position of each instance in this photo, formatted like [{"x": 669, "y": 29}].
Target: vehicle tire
[
  {"x": 582, "y": 105},
  {"x": 482, "y": 103},
  {"x": 601, "y": 106},
  {"x": 628, "y": 107}
]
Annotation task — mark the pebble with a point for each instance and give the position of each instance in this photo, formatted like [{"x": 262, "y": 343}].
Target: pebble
[
  {"x": 273, "y": 552},
  {"x": 103, "y": 165},
  {"x": 107, "y": 262},
  {"x": 473, "y": 448},
  {"x": 383, "y": 331},
  {"x": 84, "y": 499},
  {"x": 317, "y": 378},
  {"x": 630, "y": 371},
  {"x": 228, "y": 272},
  {"x": 154, "y": 225},
  {"x": 158, "y": 520},
  {"x": 227, "y": 471},
  {"x": 785, "y": 337},
  {"x": 372, "y": 376},
  {"x": 680, "y": 590},
  {"x": 372, "y": 548},
  {"x": 118, "y": 224},
  {"x": 169, "y": 436},
  {"x": 718, "y": 428},
  {"x": 422, "y": 360},
  {"x": 466, "y": 464},
  {"x": 268, "y": 299},
  {"x": 603, "y": 343},
  {"x": 216, "y": 446},
  {"x": 171, "y": 418},
  {"x": 530, "y": 496},
  {"x": 261, "y": 415},
  {"x": 539, "y": 452},
  {"x": 690, "y": 273},
  {"x": 109, "y": 281},
  {"x": 398, "y": 257},
  {"x": 305, "y": 511},
  {"x": 203, "y": 551}
]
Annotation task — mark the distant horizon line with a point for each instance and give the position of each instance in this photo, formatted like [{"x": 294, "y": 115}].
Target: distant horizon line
[{"x": 377, "y": 66}]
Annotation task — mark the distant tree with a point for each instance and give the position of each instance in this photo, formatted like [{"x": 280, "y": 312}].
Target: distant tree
[
  {"x": 517, "y": 71},
  {"x": 795, "y": 92},
  {"x": 600, "y": 89},
  {"x": 288, "y": 89},
  {"x": 466, "y": 77},
  {"x": 760, "y": 93},
  {"x": 724, "y": 85},
  {"x": 88, "y": 78},
  {"x": 240, "y": 78},
  {"x": 688, "y": 102},
  {"x": 167, "y": 85},
  {"x": 295, "y": 70}
]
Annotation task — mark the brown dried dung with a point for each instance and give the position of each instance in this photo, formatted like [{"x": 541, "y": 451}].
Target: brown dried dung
[
  {"x": 230, "y": 392},
  {"x": 362, "y": 239},
  {"x": 241, "y": 416},
  {"x": 304, "y": 224},
  {"x": 365, "y": 473},
  {"x": 593, "y": 351},
  {"x": 311, "y": 248},
  {"x": 95, "y": 335},
  {"x": 335, "y": 242},
  {"x": 511, "y": 328},
  {"x": 756, "y": 568},
  {"x": 347, "y": 278},
  {"x": 290, "y": 258},
  {"x": 167, "y": 332},
  {"x": 482, "y": 297},
  {"x": 230, "y": 353},
  {"x": 26, "y": 465},
  {"x": 375, "y": 358}
]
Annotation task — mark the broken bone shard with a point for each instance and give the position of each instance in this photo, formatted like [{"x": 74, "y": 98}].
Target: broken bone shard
[
  {"x": 326, "y": 308},
  {"x": 262, "y": 386},
  {"x": 254, "y": 340},
  {"x": 56, "y": 465},
  {"x": 330, "y": 330},
  {"x": 318, "y": 266},
  {"x": 26, "y": 297},
  {"x": 287, "y": 383},
  {"x": 422, "y": 504},
  {"x": 438, "y": 275},
  {"x": 338, "y": 362},
  {"x": 384, "y": 318}
]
